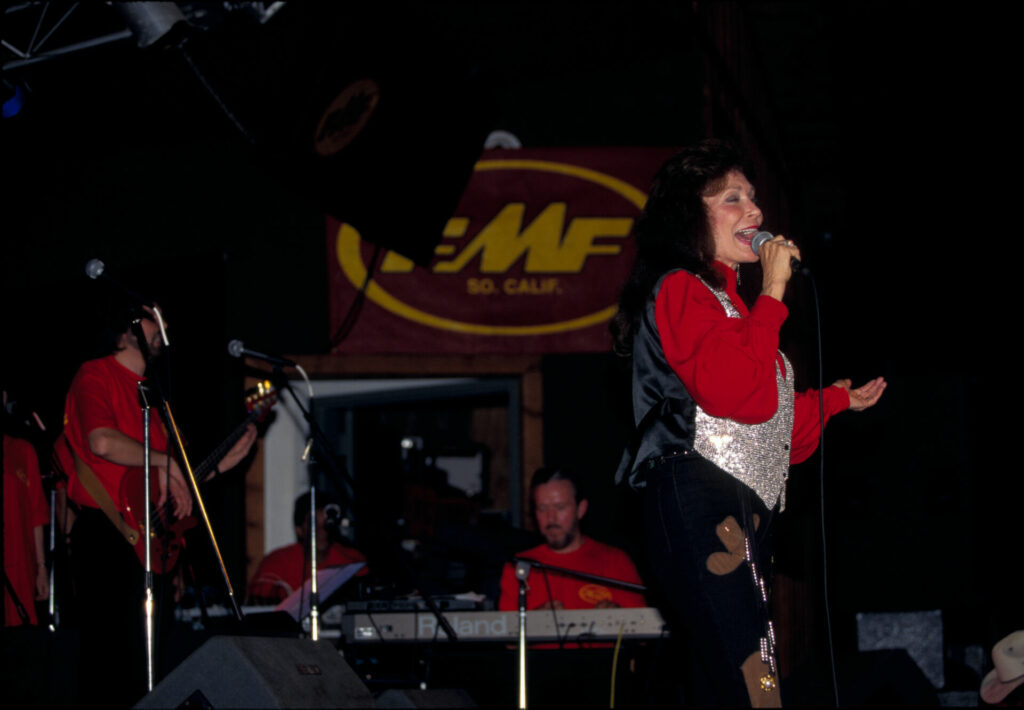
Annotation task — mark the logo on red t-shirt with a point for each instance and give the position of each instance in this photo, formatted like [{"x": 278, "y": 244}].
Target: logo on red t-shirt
[{"x": 594, "y": 593}]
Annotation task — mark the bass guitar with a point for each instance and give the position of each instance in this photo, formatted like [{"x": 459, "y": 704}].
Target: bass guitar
[{"x": 166, "y": 533}]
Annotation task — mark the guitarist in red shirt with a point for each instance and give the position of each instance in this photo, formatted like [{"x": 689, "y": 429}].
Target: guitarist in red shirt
[{"x": 102, "y": 441}]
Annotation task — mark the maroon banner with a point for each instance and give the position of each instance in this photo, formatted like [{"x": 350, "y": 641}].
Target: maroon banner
[{"x": 532, "y": 261}]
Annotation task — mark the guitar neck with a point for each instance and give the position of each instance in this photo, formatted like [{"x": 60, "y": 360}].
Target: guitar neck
[{"x": 205, "y": 469}]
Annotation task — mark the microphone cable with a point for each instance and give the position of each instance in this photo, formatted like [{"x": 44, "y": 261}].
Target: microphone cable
[
  {"x": 759, "y": 239},
  {"x": 821, "y": 490},
  {"x": 349, "y": 321}
]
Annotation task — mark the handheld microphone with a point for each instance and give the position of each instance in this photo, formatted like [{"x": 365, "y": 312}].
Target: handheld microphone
[
  {"x": 762, "y": 237},
  {"x": 237, "y": 349}
]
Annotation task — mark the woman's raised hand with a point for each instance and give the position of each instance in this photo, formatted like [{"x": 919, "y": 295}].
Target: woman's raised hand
[{"x": 864, "y": 396}]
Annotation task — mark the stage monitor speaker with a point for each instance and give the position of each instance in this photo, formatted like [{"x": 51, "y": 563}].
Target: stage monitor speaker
[{"x": 261, "y": 672}]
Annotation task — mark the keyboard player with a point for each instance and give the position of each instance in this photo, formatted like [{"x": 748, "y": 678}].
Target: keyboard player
[{"x": 558, "y": 508}]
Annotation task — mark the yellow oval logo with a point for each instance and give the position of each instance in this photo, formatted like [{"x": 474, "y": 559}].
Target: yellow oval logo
[{"x": 555, "y": 245}]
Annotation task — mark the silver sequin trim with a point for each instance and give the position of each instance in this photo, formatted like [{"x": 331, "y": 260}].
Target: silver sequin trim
[{"x": 756, "y": 454}]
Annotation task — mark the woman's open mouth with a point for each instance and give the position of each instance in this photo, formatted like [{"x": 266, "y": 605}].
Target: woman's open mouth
[{"x": 746, "y": 235}]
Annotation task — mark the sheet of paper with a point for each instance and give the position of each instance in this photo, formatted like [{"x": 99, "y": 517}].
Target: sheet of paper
[{"x": 329, "y": 580}]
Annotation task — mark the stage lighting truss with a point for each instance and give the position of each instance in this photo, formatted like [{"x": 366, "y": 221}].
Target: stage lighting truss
[{"x": 35, "y": 32}]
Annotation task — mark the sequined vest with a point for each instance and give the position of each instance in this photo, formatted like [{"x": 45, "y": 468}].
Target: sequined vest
[{"x": 668, "y": 420}]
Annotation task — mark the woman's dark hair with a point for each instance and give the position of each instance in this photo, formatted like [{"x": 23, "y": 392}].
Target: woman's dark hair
[{"x": 672, "y": 232}]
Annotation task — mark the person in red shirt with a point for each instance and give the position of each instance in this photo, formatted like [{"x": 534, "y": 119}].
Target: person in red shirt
[
  {"x": 103, "y": 431},
  {"x": 717, "y": 419},
  {"x": 26, "y": 513},
  {"x": 558, "y": 509},
  {"x": 285, "y": 569}
]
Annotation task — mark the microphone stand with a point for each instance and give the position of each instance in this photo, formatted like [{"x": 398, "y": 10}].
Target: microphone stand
[
  {"x": 176, "y": 433},
  {"x": 147, "y": 604},
  {"x": 523, "y": 565},
  {"x": 607, "y": 581},
  {"x": 56, "y": 475},
  {"x": 314, "y": 583},
  {"x": 317, "y": 436},
  {"x": 314, "y": 592},
  {"x": 432, "y": 607},
  {"x": 522, "y": 572},
  {"x": 54, "y": 622}
]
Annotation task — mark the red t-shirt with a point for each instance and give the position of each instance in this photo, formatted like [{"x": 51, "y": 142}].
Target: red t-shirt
[
  {"x": 281, "y": 571},
  {"x": 592, "y": 557},
  {"x": 104, "y": 394},
  {"x": 728, "y": 364},
  {"x": 25, "y": 508}
]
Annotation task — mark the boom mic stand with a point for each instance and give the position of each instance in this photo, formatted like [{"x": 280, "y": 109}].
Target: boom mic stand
[
  {"x": 176, "y": 433},
  {"x": 607, "y": 581},
  {"x": 523, "y": 565},
  {"x": 318, "y": 437}
]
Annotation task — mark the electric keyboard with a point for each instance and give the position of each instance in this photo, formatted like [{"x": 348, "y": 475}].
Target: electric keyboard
[{"x": 575, "y": 625}]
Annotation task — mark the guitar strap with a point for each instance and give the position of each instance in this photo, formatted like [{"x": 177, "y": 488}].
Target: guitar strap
[{"x": 99, "y": 494}]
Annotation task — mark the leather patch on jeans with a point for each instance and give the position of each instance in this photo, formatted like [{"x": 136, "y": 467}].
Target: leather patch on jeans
[
  {"x": 762, "y": 694},
  {"x": 731, "y": 535}
]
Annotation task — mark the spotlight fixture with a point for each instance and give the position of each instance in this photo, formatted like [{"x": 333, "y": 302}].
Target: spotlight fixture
[{"x": 153, "y": 23}]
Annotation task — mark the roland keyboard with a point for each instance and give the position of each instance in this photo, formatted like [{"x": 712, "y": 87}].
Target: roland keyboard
[{"x": 572, "y": 625}]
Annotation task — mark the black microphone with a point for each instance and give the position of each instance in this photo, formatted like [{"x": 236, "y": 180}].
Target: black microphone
[
  {"x": 762, "y": 237},
  {"x": 20, "y": 413},
  {"x": 237, "y": 349}
]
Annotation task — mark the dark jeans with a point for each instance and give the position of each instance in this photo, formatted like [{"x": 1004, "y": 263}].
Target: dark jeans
[
  {"x": 109, "y": 589},
  {"x": 717, "y": 616}
]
